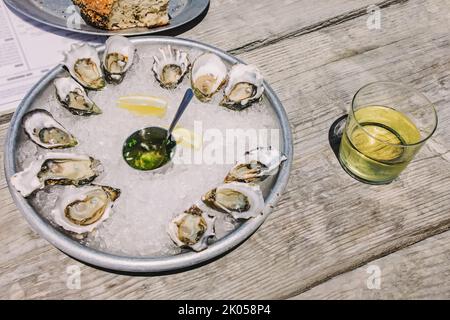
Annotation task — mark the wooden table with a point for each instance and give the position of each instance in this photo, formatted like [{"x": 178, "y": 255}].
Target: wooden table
[{"x": 330, "y": 236}]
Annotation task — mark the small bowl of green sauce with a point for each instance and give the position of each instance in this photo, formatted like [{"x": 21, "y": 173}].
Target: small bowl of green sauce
[{"x": 149, "y": 149}]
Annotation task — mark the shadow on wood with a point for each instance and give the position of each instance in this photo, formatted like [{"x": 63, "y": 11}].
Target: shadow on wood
[{"x": 335, "y": 134}]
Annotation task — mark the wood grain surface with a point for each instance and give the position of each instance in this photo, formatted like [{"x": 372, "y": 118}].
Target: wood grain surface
[
  {"x": 416, "y": 272},
  {"x": 328, "y": 227}
]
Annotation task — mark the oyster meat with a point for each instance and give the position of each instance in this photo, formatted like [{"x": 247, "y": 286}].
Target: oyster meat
[
  {"x": 118, "y": 58},
  {"x": 74, "y": 98},
  {"x": 46, "y": 132},
  {"x": 192, "y": 229},
  {"x": 170, "y": 67},
  {"x": 81, "y": 210},
  {"x": 241, "y": 200},
  {"x": 256, "y": 166},
  {"x": 245, "y": 86},
  {"x": 56, "y": 168},
  {"x": 208, "y": 75},
  {"x": 83, "y": 63}
]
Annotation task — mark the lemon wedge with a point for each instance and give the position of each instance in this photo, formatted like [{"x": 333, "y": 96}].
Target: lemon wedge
[
  {"x": 187, "y": 138},
  {"x": 144, "y": 105}
]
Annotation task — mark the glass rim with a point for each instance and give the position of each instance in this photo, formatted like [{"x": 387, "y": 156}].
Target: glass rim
[{"x": 403, "y": 86}]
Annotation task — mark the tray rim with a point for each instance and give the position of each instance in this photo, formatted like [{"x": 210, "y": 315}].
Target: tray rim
[
  {"x": 196, "y": 9},
  {"x": 152, "y": 265}
]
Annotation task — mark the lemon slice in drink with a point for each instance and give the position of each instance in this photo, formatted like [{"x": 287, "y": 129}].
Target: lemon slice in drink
[
  {"x": 187, "y": 138},
  {"x": 144, "y": 105}
]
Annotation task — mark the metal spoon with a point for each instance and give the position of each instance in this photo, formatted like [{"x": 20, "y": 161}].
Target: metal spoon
[{"x": 183, "y": 105}]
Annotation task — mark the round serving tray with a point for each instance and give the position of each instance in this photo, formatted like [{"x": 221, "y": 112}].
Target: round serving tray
[
  {"x": 62, "y": 14},
  {"x": 140, "y": 264}
]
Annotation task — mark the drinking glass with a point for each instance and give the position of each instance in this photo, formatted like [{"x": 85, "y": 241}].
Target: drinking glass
[{"x": 387, "y": 125}]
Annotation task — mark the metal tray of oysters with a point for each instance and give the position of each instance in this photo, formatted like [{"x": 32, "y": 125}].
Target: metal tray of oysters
[{"x": 65, "y": 161}]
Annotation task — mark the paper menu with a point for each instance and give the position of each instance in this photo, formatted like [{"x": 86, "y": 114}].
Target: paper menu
[{"x": 27, "y": 51}]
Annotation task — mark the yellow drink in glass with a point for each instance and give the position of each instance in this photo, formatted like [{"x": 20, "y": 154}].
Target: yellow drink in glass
[{"x": 379, "y": 141}]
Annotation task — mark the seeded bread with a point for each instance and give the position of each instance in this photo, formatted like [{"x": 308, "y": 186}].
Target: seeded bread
[{"x": 123, "y": 14}]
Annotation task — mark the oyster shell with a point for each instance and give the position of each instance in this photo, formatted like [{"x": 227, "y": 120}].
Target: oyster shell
[
  {"x": 56, "y": 168},
  {"x": 81, "y": 210},
  {"x": 83, "y": 63},
  {"x": 170, "y": 67},
  {"x": 73, "y": 97},
  {"x": 241, "y": 200},
  {"x": 46, "y": 132},
  {"x": 192, "y": 229},
  {"x": 118, "y": 58},
  {"x": 208, "y": 75},
  {"x": 256, "y": 166},
  {"x": 245, "y": 86}
]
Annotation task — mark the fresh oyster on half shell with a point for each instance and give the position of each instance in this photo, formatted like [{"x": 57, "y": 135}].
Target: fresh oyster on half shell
[
  {"x": 208, "y": 75},
  {"x": 241, "y": 200},
  {"x": 192, "y": 229},
  {"x": 118, "y": 58},
  {"x": 56, "y": 169},
  {"x": 245, "y": 86},
  {"x": 170, "y": 67},
  {"x": 74, "y": 98},
  {"x": 84, "y": 65},
  {"x": 46, "y": 132},
  {"x": 82, "y": 209}
]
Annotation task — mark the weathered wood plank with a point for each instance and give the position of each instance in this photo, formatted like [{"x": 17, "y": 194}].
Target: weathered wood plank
[
  {"x": 417, "y": 272},
  {"x": 244, "y": 25},
  {"x": 327, "y": 223}
]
